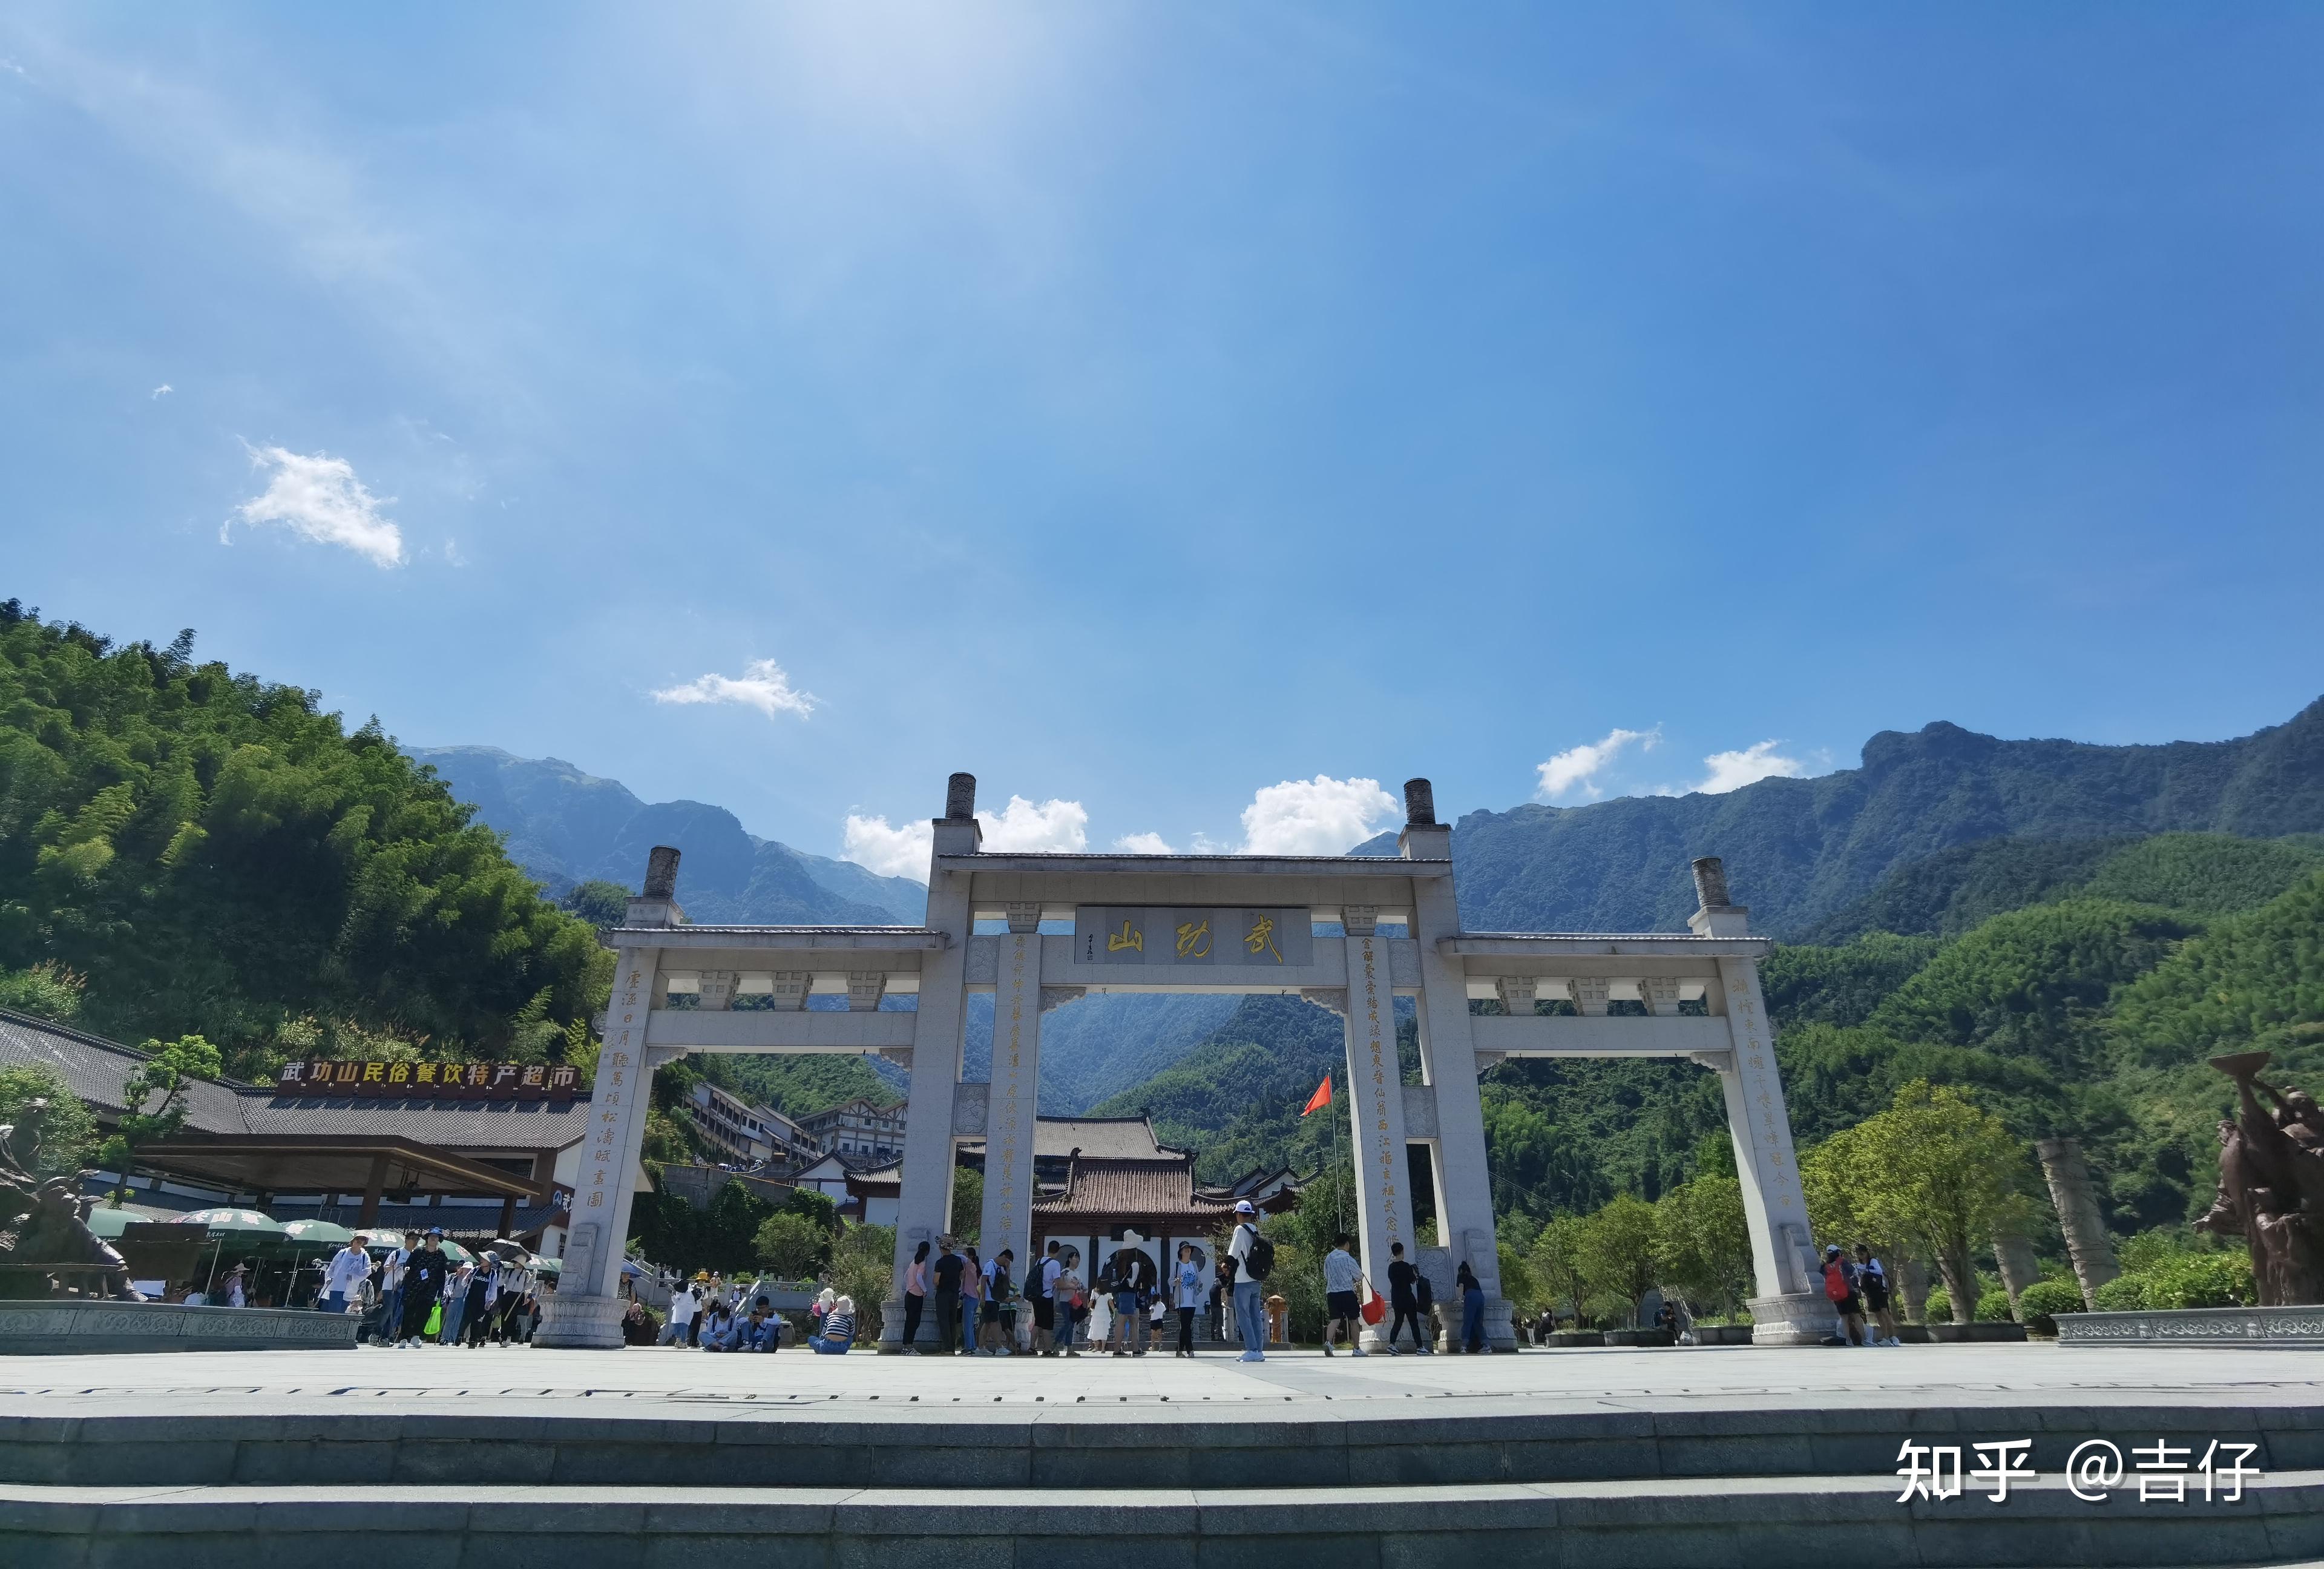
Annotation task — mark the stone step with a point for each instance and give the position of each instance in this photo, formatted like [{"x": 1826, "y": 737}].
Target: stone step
[
  {"x": 1725, "y": 1522},
  {"x": 1146, "y": 1444}
]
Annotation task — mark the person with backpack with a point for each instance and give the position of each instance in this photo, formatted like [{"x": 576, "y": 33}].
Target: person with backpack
[
  {"x": 1404, "y": 1298},
  {"x": 1840, "y": 1290},
  {"x": 1252, "y": 1259},
  {"x": 999, "y": 1318},
  {"x": 1872, "y": 1279},
  {"x": 1041, "y": 1287}
]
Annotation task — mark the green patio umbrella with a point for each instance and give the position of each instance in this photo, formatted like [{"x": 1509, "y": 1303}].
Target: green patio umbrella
[
  {"x": 245, "y": 1227},
  {"x": 457, "y": 1253},
  {"x": 322, "y": 1233}
]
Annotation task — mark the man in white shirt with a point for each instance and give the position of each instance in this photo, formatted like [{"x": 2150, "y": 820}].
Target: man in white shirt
[
  {"x": 1249, "y": 1293},
  {"x": 682, "y": 1306},
  {"x": 343, "y": 1276},
  {"x": 1342, "y": 1274}
]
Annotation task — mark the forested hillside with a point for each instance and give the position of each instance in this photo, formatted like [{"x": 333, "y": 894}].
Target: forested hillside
[
  {"x": 185, "y": 849},
  {"x": 2083, "y": 999}
]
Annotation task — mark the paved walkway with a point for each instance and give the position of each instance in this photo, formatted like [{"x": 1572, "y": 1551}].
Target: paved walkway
[{"x": 672, "y": 1382}]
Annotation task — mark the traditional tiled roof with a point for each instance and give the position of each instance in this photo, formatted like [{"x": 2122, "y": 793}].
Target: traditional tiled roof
[
  {"x": 95, "y": 1069},
  {"x": 451, "y": 1125},
  {"x": 1130, "y": 1188}
]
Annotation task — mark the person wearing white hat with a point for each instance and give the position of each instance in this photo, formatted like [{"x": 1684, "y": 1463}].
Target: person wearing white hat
[{"x": 1252, "y": 1258}]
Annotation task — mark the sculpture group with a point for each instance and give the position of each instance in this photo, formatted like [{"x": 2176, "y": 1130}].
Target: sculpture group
[
  {"x": 2272, "y": 1184},
  {"x": 46, "y": 1248}
]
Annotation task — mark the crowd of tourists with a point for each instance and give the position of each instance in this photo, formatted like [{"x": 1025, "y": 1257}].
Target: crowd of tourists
[
  {"x": 1049, "y": 1307},
  {"x": 418, "y": 1295}
]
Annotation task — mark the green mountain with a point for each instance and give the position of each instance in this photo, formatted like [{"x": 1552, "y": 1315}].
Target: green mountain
[
  {"x": 215, "y": 855},
  {"x": 566, "y": 828},
  {"x": 1799, "y": 852}
]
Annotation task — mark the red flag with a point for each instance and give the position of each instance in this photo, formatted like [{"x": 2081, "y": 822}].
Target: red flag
[{"x": 1320, "y": 1099}]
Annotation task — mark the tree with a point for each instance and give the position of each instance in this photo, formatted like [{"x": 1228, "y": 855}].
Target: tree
[
  {"x": 863, "y": 1263},
  {"x": 1556, "y": 1260},
  {"x": 1701, "y": 1244},
  {"x": 1934, "y": 1174},
  {"x": 598, "y": 902},
  {"x": 791, "y": 1245},
  {"x": 46, "y": 991},
  {"x": 154, "y": 1100},
  {"x": 967, "y": 1204},
  {"x": 1618, "y": 1250},
  {"x": 48, "y": 1117}
]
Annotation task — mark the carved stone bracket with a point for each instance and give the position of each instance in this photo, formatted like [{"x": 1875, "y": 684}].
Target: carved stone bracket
[
  {"x": 864, "y": 990},
  {"x": 1660, "y": 994},
  {"x": 717, "y": 993},
  {"x": 1590, "y": 994},
  {"x": 1331, "y": 999},
  {"x": 1024, "y": 917},
  {"x": 790, "y": 990},
  {"x": 1491, "y": 1059},
  {"x": 1059, "y": 996},
  {"x": 1516, "y": 992},
  {"x": 902, "y": 1056},
  {"x": 1360, "y": 920}
]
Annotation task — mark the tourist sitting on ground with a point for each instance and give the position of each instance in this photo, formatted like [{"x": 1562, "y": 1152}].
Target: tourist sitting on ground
[
  {"x": 1342, "y": 1274},
  {"x": 838, "y": 1328},
  {"x": 720, "y": 1329},
  {"x": 763, "y": 1331},
  {"x": 1472, "y": 1310}
]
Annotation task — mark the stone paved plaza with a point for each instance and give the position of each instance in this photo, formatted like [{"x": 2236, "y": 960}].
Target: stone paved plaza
[{"x": 669, "y": 1381}]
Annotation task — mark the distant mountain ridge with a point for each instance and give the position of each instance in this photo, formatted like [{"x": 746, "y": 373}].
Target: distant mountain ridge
[
  {"x": 565, "y": 826},
  {"x": 1799, "y": 851}
]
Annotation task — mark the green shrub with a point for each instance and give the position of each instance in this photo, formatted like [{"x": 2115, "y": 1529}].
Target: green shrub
[
  {"x": 2123, "y": 1294},
  {"x": 2039, "y": 1304},
  {"x": 1939, "y": 1308},
  {"x": 2202, "y": 1281},
  {"x": 1993, "y": 1305}
]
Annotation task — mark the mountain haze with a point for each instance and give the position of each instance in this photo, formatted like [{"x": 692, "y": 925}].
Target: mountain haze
[{"x": 565, "y": 826}]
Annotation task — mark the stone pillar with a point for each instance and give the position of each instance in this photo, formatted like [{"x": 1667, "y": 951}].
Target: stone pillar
[
  {"x": 1011, "y": 1099},
  {"x": 924, "y": 1206},
  {"x": 2075, "y": 1199},
  {"x": 1464, "y": 1214},
  {"x": 1791, "y": 1308},
  {"x": 585, "y": 1311},
  {"x": 2019, "y": 1267},
  {"x": 1376, "y": 1114}
]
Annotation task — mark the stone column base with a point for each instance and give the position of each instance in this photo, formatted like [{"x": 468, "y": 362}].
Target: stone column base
[
  {"x": 572, "y": 1322},
  {"x": 891, "y": 1326},
  {"x": 1804, "y": 1318},
  {"x": 1498, "y": 1334}
]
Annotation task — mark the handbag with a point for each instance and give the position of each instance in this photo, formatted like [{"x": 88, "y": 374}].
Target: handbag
[
  {"x": 1373, "y": 1309},
  {"x": 435, "y": 1324}
]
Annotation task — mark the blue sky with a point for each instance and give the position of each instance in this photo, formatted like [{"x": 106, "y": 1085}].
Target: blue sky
[{"x": 1161, "y": 410}]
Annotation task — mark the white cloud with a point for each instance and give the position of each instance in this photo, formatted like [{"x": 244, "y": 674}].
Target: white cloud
[
  {"x": 762, "y": 685},
  {"x": 452, "y": 556},
  {"x": 1319, "y": 816},
  {"x": 873, "y": 844},
  {"x": 1144, "y": 844},
  {"x": 1732, "y": 771},
  {"x": 1053, "y": 825},
  {"x": 1578, "y": 767},
  {"x": 163, "y": 390},
  {"x": 318, "y": 497}
]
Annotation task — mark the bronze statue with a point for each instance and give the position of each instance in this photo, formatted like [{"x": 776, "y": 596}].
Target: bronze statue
[
  {"x": 2272, "y": 1185},
  {"x": 46, "y": 1248}
]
